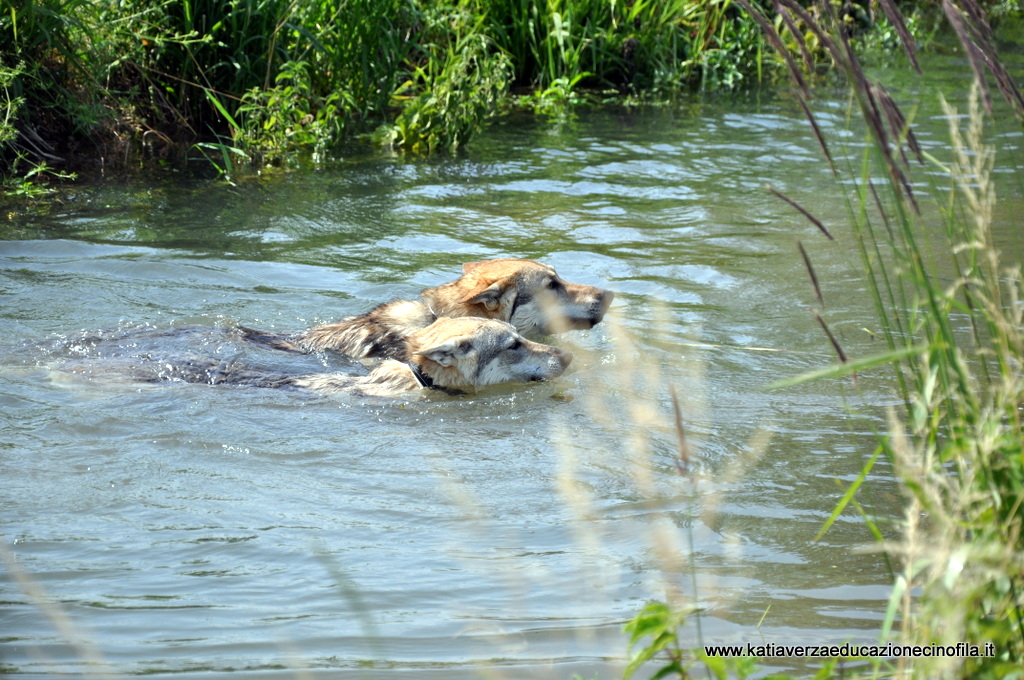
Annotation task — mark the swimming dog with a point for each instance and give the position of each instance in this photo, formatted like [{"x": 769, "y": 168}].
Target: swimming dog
[
  {"x": 449, "y": 355},
  {"x": 527, "y": 294}
]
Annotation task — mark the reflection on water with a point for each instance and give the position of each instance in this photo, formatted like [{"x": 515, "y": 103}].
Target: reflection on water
[{"x": 510, "y": 533}]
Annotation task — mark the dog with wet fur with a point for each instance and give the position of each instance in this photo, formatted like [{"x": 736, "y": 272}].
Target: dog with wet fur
[
  {"x": 449, "y": 355},
  {"x": 528, "y": 295}
]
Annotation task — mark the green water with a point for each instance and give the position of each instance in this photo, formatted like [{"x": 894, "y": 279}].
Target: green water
[{"x": 187, "y": 529}]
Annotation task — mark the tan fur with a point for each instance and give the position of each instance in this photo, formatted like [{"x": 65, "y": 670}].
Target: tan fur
[
  {"x": 451, "y": 354},
  {"x": 529, "y": 295}
]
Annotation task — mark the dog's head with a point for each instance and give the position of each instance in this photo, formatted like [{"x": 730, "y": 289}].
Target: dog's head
[
  {"x": 531, "y": 296},
  {"x": 472, "y": 352}
]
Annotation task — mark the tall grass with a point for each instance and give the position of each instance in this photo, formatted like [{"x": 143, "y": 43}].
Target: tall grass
[
  {"x": 459, "y": 81},
  {"x": 957, "y": 349},
  {"x": 263, "y": 79},
  {"x": 956, "y": 346},
  {"x": 650, "y": 47},
  {"x": 266, "y": 78},
  {"x": 960, "y": 448}
]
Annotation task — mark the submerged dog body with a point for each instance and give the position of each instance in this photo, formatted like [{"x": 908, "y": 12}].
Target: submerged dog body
[
  {"x": 448, "y": 355},
  {"x": 526, "y": 294}
]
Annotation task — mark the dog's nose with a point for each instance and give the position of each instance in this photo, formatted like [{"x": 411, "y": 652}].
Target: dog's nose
[{"x": 564, "y": 357}]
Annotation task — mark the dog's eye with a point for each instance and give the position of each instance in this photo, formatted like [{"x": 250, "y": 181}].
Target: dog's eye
[
  {"x": 553, "y": 284},
  {"x": 516, "y": 344}
]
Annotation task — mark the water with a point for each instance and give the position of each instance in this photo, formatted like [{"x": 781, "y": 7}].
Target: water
[{"x": 188, "y": 529}]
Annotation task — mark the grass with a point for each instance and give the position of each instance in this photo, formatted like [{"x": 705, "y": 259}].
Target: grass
[
  {"x": 262, "y": 81},
  {"x": 959, "y": 449},
  {"x": 956, "y": 349}
]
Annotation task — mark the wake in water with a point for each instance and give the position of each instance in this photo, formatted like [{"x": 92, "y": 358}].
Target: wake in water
[
  {"x": 449, "y": 356},
  {"x": 191, "y": 354}
]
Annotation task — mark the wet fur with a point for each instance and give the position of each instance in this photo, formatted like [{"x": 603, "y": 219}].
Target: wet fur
[
  {"x": 527, "y": 294},
  {"x": 449, "y": 355}
]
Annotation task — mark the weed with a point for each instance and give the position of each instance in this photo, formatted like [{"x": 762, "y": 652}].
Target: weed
[
  {"x": 958, "y": 447},
  {"x": 460, "y": 86},
  {"x": 277, "y": 76}
]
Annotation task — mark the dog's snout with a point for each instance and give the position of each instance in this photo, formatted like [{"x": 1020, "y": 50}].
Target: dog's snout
[{"x": 564, "y": 357}]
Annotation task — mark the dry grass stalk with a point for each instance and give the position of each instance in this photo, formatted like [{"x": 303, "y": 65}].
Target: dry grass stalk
[
  {"x": 968, "y": 21},
  {"x": 901, "y": 130},
  {"x": 881, "y": 210},
  {"x": 831, "y": 338},
  {"x": 57, "y": 616},
  {"x": 812, "y": 25},
  {"x": 812, "y": 274},
  {"x": 817, "y": 132},
  {"x": 896, "y": 19},
  {"x": 803, "y": 211},
  {"x": 683, "y": 464},
  {"x": 794, "y": 30},
  {"x": 775, "y": 40}
]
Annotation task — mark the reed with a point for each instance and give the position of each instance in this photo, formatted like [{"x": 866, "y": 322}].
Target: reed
[
  {"x": 268, "y": 78},
  {"x": 956, "y": 350},
  {"x": 957, "y": 446}
]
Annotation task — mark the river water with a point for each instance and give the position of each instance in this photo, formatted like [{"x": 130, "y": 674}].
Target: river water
[{"x": 220, "y": 531}]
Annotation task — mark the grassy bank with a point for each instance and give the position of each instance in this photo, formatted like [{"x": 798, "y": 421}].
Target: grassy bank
[
  {"x": 86, "y": 83},
  {"x": 956, "y": 348}
]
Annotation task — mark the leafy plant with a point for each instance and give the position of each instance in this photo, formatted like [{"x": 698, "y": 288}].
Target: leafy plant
[
  {"x": 657, "y": 625},
  {"x": 25, "y": 178},
  {"x": 220, "y": 155},
  {"x": 276, "y": 76},
  {"x": 290, "y": 116},
  {"x": 460, "y": 86},
  {"x": 659, "y": 622}
]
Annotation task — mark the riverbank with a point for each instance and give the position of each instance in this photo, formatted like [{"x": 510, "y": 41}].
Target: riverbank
[{"x": 246, "y": 83}]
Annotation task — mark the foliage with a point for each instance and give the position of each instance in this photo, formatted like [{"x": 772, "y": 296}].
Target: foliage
[
  {"x": 458, "y": 91},
  {"x": 25, "y": 178},
  {"x": 278, "y": 76},
  {"x": 661, "y": 47},
  {"x": 659, "y": 622},
  {"x": 271, "y": 78},
  {"x": 958, "y": 447},
  {"x": 952, "y": 319},
  {"x": 291, "y": 116},
  {"x": 9, "y": 104},
  {"x": 960, "y": 451}
]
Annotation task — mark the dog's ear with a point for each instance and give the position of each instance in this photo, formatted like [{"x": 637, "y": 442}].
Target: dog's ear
[
  {"x": 445, "y": 354},
  {"x": 489, "y": 297}
]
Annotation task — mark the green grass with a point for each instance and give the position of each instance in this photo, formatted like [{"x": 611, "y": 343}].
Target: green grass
[
  {"x": 956, "y": 349},
  {"x": 264, "y": 80}
]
